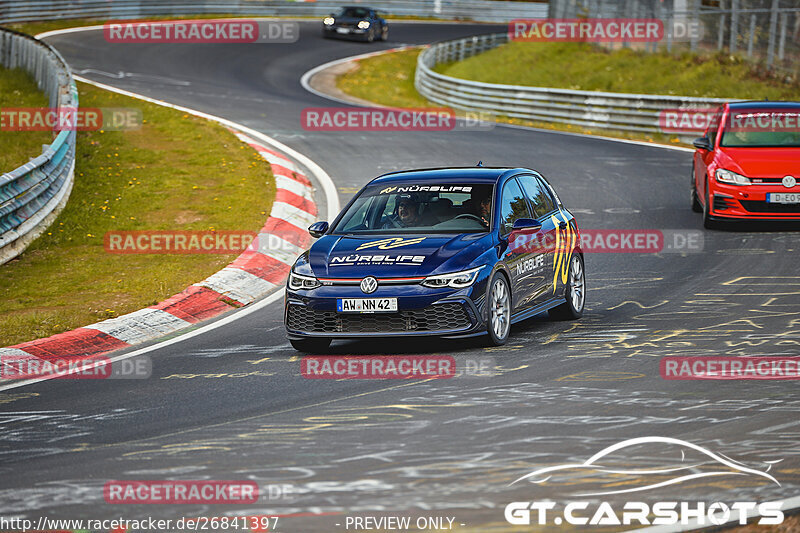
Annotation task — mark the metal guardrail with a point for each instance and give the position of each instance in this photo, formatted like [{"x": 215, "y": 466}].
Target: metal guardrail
[
  {"x": 478, "y": 10},
  {"x": 618, "y": 111},
  {"x": 32, "y": 195}
]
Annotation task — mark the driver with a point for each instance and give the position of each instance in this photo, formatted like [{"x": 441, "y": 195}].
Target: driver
[
  {"x": 407, "y": 214},
  {"x": 482, "y": 206}
]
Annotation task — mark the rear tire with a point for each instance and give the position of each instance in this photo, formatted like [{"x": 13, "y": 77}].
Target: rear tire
[
  {"x": 313, "y": 345},
  {"x": 575, "y": 293},
  {"x": 696, "y": 205},
  {"x": 498, "y": 310},
  {"x": 385, "y": 33}
]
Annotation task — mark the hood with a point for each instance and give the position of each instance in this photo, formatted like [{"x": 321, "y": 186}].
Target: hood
[
  {"x": 761, "y": 162},
  {"x": 391, "y": 256}
]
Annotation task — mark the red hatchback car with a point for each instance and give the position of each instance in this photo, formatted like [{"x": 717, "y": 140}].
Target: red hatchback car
[{"x": 747, "y": 165}]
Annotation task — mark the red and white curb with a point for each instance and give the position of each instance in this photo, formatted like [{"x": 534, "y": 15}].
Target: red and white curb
[{"x": 258, "y": 271}]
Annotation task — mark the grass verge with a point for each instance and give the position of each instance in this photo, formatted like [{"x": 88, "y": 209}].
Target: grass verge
[
  {"x": 388, "y": 79},
  {"x": 176, "y": 172},
  {"x": 18, "y": 89},
  {"x": 588, "y": 67}
]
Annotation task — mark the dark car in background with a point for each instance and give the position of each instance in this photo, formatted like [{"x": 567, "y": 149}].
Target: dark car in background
[
  {"x": 445, "y": 252},
  {"x": 356, "y": 22}
]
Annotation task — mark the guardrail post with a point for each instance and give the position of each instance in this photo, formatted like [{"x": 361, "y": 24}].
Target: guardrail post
[{"x": 773, "y": 29}]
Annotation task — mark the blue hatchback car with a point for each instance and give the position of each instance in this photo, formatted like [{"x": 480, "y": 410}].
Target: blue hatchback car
[{"x": 445, "y": 252}]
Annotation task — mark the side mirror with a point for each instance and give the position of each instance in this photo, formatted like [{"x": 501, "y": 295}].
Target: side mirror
[
  {"x": 318, "y": 229},
  {"x": 702, "y": 143},
  {"x": 527, "y": 223}
]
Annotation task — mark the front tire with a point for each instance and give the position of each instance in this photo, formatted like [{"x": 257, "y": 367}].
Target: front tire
[
  {"x": 313, "y": 345},
  {"x": 708, "y": 222},
  {"x": 498, "y": 310},
  {"x": 696, "y": 206},
  {"x": 575, "y": 293}
]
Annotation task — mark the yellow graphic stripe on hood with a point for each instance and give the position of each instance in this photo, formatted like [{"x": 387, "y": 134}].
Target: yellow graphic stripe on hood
[{"x": 391, "y": 242}]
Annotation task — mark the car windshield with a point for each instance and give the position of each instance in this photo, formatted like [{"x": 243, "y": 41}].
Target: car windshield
[
  {"x": 762, "y": 128},
  {"x": 419, "y": 208},
  {"x": 354, "y": 12}
]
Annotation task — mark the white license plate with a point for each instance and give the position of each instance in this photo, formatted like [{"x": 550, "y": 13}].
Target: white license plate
[
  {"x": 343, "y": 30},
  {"x": 783, "y": 197},
  {"x": 366, "y": 305}
]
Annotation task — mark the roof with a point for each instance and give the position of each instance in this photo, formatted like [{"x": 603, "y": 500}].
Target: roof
[{"x": 471, "y": 174}]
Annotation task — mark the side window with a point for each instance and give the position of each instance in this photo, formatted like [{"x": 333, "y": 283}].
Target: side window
[
  {"x": 513, "y": 205},
  {"x": 537, "y": 194}
]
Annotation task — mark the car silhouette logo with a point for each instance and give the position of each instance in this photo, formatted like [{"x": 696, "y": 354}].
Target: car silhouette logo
[
  {"x": 789, "y": 181},
  {"x": 369, "y": 285}
]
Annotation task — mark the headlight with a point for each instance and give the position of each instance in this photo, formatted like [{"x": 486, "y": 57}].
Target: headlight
[
  {"x": 328, "y": 21},
  {"x": 456, "y": 280},
  {"x": 298, "y": 282},
  {"x": 726, "y": 176},
  {"x": 364, "y": 24}
]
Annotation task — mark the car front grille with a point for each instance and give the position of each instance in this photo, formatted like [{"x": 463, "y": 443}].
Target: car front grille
[
  {"x": 441, "y": 317},
  {"x": 755, "y": 206}
]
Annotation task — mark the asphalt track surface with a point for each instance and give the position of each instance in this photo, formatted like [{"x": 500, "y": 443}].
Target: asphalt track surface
[{"x": 231, "y": 404}]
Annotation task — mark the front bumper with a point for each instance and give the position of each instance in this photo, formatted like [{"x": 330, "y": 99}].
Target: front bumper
[
  {"x": 357, "y": 34},
  {"x": 421, "y": 312},
  {"x": 749, "y": 202}
]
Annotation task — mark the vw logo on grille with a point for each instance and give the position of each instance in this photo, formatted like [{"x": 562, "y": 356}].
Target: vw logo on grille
[
  {"x": 369, "y": 285},
  {"x": 789, "y": 181}
]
